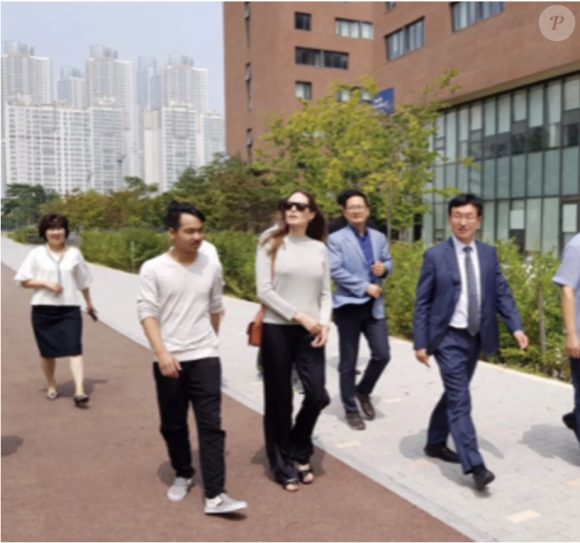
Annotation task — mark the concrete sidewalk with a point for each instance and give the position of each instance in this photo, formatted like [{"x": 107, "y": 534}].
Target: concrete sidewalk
[{"x": 536, "y": 496}]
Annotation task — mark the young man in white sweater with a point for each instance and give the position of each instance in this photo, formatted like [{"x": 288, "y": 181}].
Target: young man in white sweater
[{"x": 179, "y": 306}]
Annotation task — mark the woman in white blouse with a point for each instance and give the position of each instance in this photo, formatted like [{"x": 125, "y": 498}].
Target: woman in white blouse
[{"x": 57, "y": 273}]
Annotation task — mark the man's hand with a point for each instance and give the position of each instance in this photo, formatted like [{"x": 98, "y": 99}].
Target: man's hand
[
  {"x": 379, "y": 269},
  {"x": 54, "y": 287},
  {"x": 311, "y": 324},
  {"x": 321, "y": 339},
  {"x": 169, "y": 365},
  {"x": 375, "y": 291},
  {"x": 522, "y": 340},
  {"x": 573, "y": 345},
  {"x": 422, "y": 356}
]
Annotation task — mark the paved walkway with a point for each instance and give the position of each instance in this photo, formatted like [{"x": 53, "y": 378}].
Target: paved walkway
[
  {"x": 536, "y": 495},
  {"x": 102, "y": 474}
]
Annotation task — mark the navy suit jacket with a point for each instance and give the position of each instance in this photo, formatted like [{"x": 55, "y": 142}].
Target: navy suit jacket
[{"x": 439, "y": 290}]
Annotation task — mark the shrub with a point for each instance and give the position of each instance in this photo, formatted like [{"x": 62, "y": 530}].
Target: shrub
[
  {"x": 237, "y": 252},
  {"x": 28, "y": 235},
  {"x": 537, "y": 298},
  {"x": 125, "y": 249}
]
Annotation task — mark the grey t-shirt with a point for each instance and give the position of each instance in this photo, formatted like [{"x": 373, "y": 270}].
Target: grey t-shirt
[
  {"x": 301, "y": 281},
  {"x": 569, "y": 273}
]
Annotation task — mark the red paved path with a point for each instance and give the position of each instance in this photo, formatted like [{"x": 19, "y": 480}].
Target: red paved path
[{"x": 102, "y": 474}]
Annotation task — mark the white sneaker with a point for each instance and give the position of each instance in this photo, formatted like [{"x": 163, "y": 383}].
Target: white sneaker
[
  {"x": 179, "y": 489},
  {"x": 223, "y": 504}
]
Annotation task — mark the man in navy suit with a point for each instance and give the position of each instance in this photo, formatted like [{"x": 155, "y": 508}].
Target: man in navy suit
[
  {"x": 461, "y": 290},
  {"x": 359, "y": 262}
]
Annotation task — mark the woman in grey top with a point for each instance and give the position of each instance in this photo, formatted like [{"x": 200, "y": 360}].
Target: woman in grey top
[{"x": 293, "y": 282}]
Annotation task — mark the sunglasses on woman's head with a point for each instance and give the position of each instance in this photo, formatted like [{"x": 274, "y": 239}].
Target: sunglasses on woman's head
[{"x": 288, "y": 206}]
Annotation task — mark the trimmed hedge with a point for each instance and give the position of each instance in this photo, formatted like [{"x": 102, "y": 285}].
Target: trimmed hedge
[{"x": 538, "y": 299}]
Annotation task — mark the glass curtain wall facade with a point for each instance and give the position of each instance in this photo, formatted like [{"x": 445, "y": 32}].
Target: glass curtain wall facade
[{"x": 525, "y": 147}]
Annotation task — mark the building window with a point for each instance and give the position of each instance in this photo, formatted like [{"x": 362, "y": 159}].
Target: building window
[
  {"x": 322, "y": 59},
  {"x": 303, "y": 90},
  {"x": 468, "y": 13},
  {"x": 390, "y": 5},
  {"x": 248, "y": 21},
  {"x": 406, "y": 40},
  {"x": 344, "y": 95},
  {"x": 249, "y": 86},
  {"x": 303, "y": 21},
  {"x": 250, "y": 144},
  {"x": 354, "y": 29}
]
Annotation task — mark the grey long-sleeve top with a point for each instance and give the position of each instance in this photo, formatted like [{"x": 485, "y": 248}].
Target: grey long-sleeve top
[{"x": 301, "y": 281}]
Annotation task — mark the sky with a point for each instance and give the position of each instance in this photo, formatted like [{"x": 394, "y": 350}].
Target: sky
[{"x": 64, "y": 31}]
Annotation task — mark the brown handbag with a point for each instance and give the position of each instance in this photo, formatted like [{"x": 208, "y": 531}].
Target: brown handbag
[{"x": 256, "y": 327}]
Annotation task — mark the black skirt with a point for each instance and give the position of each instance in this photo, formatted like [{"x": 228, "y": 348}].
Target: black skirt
[{"x": 58, "y": 330}]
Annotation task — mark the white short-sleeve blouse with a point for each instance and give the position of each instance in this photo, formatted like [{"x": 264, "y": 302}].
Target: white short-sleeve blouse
[{"x": 71, "y": 272}]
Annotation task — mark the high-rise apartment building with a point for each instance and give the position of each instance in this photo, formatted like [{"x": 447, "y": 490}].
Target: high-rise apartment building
[
  {"x": 110, "y": 84},
  {"x": 517, "y": 113},
  {"x": 149, "y": 84},
  {"x": 213, "y": 136},
  {"x": 72, "y": 88},
  {"x": 26, "y": 78},
  {"x": 107, "y": 147},
  {"x": 64, "y": 149},
  {"x": 184, "y": 84},
  {"x": 172, "y": 141},
  {"x": 149, "y": 98}
]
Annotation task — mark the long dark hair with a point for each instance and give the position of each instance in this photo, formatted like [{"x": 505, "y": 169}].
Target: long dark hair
[{"x": 316, "y": 227}]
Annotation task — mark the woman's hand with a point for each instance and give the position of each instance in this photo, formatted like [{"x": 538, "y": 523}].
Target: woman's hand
[
  {"x": 91, "y": 308},
  {"x": 321, "y": 339},
  {"x": 54, "y": 287},
  {"x": 312, "y": 325}
]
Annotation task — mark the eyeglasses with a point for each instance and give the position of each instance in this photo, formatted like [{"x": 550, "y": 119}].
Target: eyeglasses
[
  {"x": 356, "y": 208},
  {"x": 468, "y": 218},
  {"x": 289, "y": 206}
]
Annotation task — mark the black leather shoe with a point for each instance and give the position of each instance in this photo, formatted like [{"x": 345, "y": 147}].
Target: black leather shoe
[
  {"x": 482, "y": 477},
  {"x": 570, "y": 421},
  {"x": 366, "y": 405},
  {"x": 441, "y": 451},
  {"x": 355, "y": 421}
]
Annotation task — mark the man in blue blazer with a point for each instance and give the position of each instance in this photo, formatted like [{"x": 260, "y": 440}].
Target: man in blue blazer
[
  {"x": 359, "y": 262},
  {"x": 461, "y": 290}
]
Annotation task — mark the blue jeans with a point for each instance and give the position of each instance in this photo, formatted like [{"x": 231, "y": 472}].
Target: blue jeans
[
  {"x": 352, "y": 321},
  {"x": 457, "y": 356}
]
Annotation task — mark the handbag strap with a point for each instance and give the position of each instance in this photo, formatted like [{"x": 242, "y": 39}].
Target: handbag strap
[{"x": 262, "y": 313}]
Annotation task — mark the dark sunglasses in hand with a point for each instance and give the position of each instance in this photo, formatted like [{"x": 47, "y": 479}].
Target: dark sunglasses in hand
[{"x": 288, "y": 206}]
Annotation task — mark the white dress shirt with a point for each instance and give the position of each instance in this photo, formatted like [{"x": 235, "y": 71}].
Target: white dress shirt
[
  {"x": 72, "y": 273},
  {"x": 459, "y": 319}
]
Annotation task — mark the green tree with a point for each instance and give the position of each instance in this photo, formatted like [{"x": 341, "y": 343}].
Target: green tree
[
  {"x": 232, "y": 194},
  {"x": 331, "y": 145},
  {"x": 25, "y": 204}
]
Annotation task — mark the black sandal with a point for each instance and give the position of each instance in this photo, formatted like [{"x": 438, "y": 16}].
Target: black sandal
[
  {"x": 303, "y": 473},
  {"x": 81, "y": 401},
  {"x": 289, "y": 482}
]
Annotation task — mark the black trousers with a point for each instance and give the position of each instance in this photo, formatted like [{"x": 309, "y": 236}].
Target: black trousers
[
  {"x": 575, "y": 369},
  {"x": 199, "y": 382},
  {"x": 283, "y": 346},
  {"x": 352, "y": 320}
]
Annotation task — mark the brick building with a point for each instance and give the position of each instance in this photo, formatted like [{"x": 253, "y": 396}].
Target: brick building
[{"x": 517, "y": 112}]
